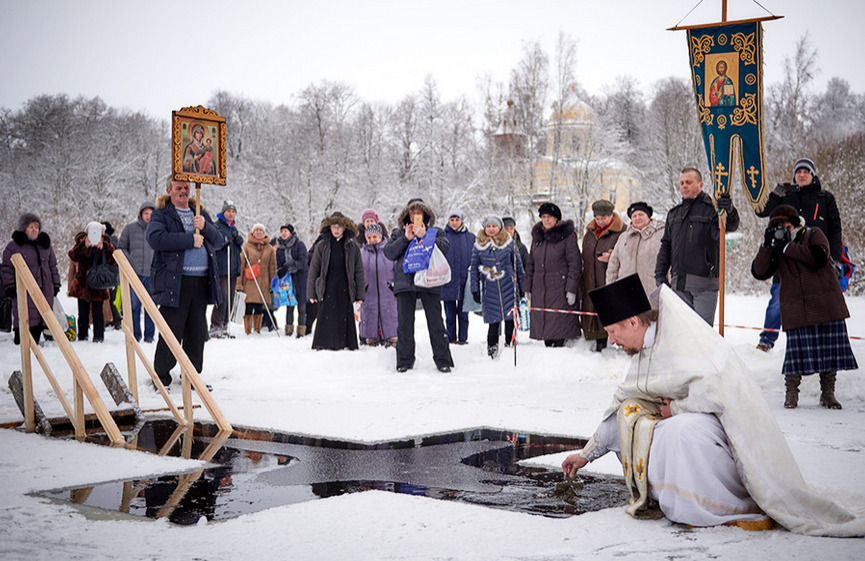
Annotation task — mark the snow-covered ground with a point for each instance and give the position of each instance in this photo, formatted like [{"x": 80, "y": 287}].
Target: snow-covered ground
[{"x": 280, "y": 383}]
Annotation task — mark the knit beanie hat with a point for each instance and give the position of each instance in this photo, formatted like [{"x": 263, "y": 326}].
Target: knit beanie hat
[
  {"x": 784, "y": 213},
  {"x": 228, "y": 205},
  {"x": 640, "y": 205},
  {"x": 551, "y": 209},
  {"x": 603, "y": 207},
  {"x": 289, "y": 227},
  {"x": 493, "y": 220},
  {"x": 375, "y": 229},
  {"x": 806, "y": 164},
  {"x": 458, "y": 213},
  {"x": 508, "y": 221},
  {"x": 27, "y": 219},
  {"x": 369, "y": 213},
  {"x": 259, "y": 226}
]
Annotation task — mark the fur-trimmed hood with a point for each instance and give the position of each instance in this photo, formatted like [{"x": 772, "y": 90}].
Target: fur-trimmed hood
[
  {"x": 429, "y": 218},
  {"x": 163, "y": 199},
  {"x": 342, "y": 220},
  {"x": 557, "y": 233},
  {"x": 499, "y": 241},
  {"x": 42, "y": 240}
]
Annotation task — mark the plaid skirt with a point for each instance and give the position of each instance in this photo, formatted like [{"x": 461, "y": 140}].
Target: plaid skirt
[{"x": 819, "y": 348}]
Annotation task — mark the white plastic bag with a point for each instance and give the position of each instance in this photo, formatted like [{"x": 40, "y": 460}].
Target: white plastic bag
[
  {"x": 437, "y": 274},
  {"x": 238, "y": 309}
]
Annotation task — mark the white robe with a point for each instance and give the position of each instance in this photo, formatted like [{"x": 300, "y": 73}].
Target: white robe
[{"x": 693, "y": 365}]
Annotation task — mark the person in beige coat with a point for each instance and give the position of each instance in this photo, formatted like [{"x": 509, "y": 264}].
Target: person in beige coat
[
  {"x": 636, "y": 250},
  {"x": 258, "y": 256}
]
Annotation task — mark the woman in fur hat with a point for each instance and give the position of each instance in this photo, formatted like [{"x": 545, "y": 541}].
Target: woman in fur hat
[
  {"x": 601, "y": 236},
  {"x": 35, "y": 247},
  {"x": 336, "y": 281},
  {"x": 497, "y": 271},
  {"x": 257, "y": 254},
  {"x": 813, "y": 311}
]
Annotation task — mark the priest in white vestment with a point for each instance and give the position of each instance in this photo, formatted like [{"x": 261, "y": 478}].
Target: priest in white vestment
[{"x": 718, "y": 455}]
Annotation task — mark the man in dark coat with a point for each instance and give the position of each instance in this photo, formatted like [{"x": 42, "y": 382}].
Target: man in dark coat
[
  {"x": 133, "y": 244},
  {"x": 459, "y": 255},
  {"x": 552, "y": 279},
  {"x": 183, "y": 274},
  {"x": 818, "y": 209},
  {"x": 227, "y": 267},
  {"x": 690, "y": 245},
  {"x": 407, "y": 293}
]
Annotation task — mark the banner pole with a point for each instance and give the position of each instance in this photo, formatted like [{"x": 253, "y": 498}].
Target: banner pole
[{"x": 722, "y": 257}]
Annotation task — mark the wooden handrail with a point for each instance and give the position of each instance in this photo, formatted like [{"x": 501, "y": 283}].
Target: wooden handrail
[
  {"x": 190, "y": 377},
  {"x": 82, "y": 385}
]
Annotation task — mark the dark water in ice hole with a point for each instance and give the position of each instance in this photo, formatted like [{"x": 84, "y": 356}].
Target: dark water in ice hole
[{"x": 257, "y": 469}]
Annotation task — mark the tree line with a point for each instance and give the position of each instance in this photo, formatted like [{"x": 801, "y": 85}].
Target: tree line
[{"x": 75, "y": 160}]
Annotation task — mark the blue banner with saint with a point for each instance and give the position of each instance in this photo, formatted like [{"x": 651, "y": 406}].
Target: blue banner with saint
[{"x": 727, "y": 72}]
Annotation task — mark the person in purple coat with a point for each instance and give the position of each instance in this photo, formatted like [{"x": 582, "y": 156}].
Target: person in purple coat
[
  {"x": 378, "y": 318},
  {"x": 34, "y": 245},
  {"x": 459, "y": 257}
]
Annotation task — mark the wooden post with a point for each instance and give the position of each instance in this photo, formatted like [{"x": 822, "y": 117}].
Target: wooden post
[
  {"x": 197, "y": 203},
  {"x": 24, "y": 336},
  {"x": 129, "y": 331},
  {"x": 722, "y": 258}
]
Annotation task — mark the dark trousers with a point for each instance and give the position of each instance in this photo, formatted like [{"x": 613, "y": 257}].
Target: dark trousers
[
  {"x": 86, "y": 309},
  {"x": 188, "y": 323},
  {"x": 149, "y": 328},
  {"x": 456, "y": 321},
  {"x": 493, "y": 332},
  {"x": 438, "y": 338},
  {"x": 219, "y": 315}
]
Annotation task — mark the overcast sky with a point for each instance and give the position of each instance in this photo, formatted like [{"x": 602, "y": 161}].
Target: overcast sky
[{"x": 160, "y": 55}]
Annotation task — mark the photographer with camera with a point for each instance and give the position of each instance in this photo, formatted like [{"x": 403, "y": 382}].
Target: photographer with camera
[
  {"x": 811, "y": 303},
  {"x": 817, "y": 208}
]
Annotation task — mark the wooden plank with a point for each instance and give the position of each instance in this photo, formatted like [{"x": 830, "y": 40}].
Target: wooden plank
[
  {"x": 129, "y": 332},
  {"x": 24, "y": 336}
]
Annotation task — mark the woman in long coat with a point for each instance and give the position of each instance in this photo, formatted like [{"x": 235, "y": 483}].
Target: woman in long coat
[
  {"x": 86, "y": 255},
  {"x": 256, "y": 251},
  {"x": 35, "y": 247},
  {"x": 553, "y": 277},
  {"x": 637, "y": 248},
  {"x": 336, "y": 281},
  {"x": 378, "y": 318},
  {"x": 459, "y": 257},
  {"x": 496, "y": 272},
  {"x": 601, "y": 236},
  {"x": 813, "y": 310}
]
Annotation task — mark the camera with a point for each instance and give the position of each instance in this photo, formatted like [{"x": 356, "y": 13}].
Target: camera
[
  {"x": 780, "y": 233},
  {"x": 777, "y": 236}
]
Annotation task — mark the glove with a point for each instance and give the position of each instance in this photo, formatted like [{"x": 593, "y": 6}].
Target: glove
[
  {"x": 280, "y": 272},
  {"x": 769, "y": 237},
  {"x": 56, "y": 289},
  {"x": 477, "y": 297},
  {"x": 781, "y": 189},
  {"x": 725, "y": 203},
  {"x": 10, "y": 291},
  {"x": 572, "y": 298}
]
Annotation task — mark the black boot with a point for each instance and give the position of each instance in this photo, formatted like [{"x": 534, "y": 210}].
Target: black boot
[
  {"x": 493, "y": 351},
  {"x": 791, "y": 400},
  {"x": 827, "y": 390}
]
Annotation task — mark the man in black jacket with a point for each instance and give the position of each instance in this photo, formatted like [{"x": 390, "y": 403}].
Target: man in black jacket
[
  {"x": 690, "y": 245},
  {"x": 817, "y": 208}
]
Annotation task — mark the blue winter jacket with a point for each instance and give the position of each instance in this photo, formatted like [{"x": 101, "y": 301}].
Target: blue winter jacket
[
  {"x": 167, "y": 237},
  {"x": 459, "y": 257},
  {"x": 495, "y": 266}
]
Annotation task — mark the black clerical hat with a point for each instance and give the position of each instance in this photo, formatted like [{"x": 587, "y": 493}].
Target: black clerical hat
[{"x": 620, "y": 300}]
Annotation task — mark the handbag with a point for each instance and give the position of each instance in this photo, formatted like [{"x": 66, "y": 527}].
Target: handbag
[
  {"x": 253, "y": 272},
  {"x": 437, "y": 274},
  {"x": 103, "y": 276},
  {"x": 469, "y": 304}
]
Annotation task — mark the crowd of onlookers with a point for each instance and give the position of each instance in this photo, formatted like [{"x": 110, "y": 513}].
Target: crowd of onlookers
[{"x": 359, "y": 282}]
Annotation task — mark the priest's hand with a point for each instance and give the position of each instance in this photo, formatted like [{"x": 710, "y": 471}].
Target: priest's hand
[{"x": 572, "y": 464}]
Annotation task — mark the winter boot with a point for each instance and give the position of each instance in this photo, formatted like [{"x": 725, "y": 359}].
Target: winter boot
[
  {"x": 289, "y": 329},
  {"x": 247, "y": 324},
  {"x": 301, "y": 331},
  {"x": 371, "y": 342},
  {"x": 391, "y": 342},
  {"x": 256, "y": 321},
  {"x": 791, "y": 400},
  {"x": 827, "y": 390},
  {"x": 493, "y": 351}
]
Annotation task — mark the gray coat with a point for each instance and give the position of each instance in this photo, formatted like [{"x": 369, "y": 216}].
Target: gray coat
[
  {"x": 133, "y": 243},
  {"x": 636, "y": 251}
]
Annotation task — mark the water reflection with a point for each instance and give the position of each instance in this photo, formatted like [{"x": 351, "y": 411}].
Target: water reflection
[{"x": 255, "y": 470}]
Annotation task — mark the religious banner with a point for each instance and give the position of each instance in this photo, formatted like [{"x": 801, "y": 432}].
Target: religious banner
[
  {"x": 198, "y": 146},
  {"x": 727, "y": 73}
]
